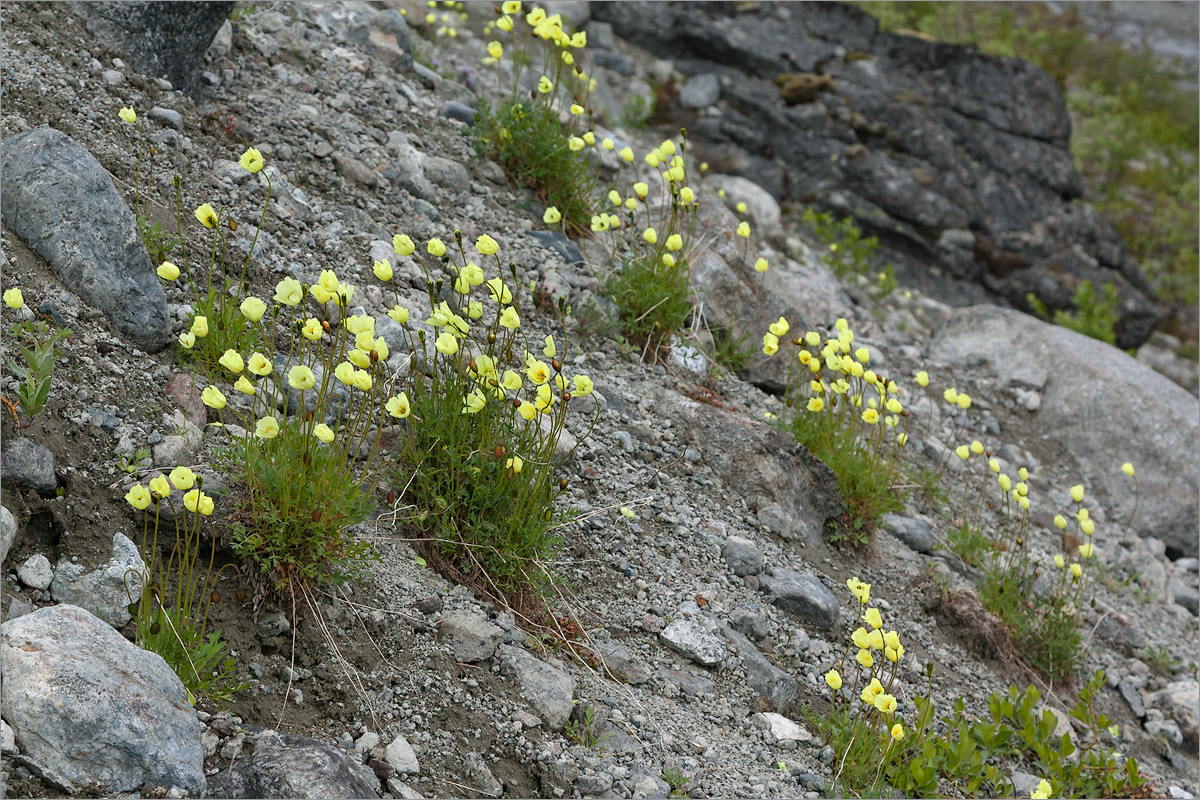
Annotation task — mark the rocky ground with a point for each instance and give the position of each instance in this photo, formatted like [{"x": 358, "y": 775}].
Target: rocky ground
[{"x": 719, "y": 603}]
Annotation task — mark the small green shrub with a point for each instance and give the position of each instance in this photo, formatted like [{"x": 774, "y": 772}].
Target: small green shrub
[
  {"x": 302, "y": 499},
  {"x": 1093, "y": 316},
  {"x": 879, "y": 742},
  {"x": 968, "y": 543},
  {"x": 1161, "y": 660},
  {"x": 174, "y": 596},
  {"x": 481, "y": 447},
  {"x": 846, "y": 414},
  {"x": 527, "y": 140},
  {"x": 652, "y": 299},
  {"x": 636, "y": 112},
  {"x": 522, "y": 132},
  {"x": 848, "y": 252},
  {"x": 35, "y": 341},
  {"x": 159, "y": 242},
  {"x": 677, "y": 781},
  {"x": 730, "y": 350},
  {"x": 584, "y": 732}
]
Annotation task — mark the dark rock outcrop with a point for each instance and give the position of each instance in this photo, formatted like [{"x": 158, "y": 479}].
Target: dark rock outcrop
[
  {"x": 160, "y": 39},
  {"x": 958, "y": 161}
]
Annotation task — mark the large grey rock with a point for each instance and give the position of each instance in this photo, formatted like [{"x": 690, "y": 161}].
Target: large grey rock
[
  {"x": 802, "y": 596},
  {"x": 8, "y": 532},
  {"x": 91, "y": 710},
  {"x": 61, "y": 202},
  {"x": 30, "y": 466},
  {"x": 763, "y": 465},
  {"x": 734, "y": 297},
  {"x": 692, "y": 640},
  {"x": 160, "y": 40},
  {"x": 550, "y": 691},
  {"x": 1180, "y": 701},
  {"x": 107, "y": 590},
  {"x": 622, "y": 664},
  {"x": 481, "y": 777},
  {"x": 913, "y": 532},
  {"x": 1184, "y": 595},
  {"x": 762, "y": 209},
  {"x": 1103, "y": 408},
  {"x": 766, "y": 679},
  {"x": 471, "y": 637},
  {"x": 36, "y": 572},
  {"x": 285, "y": 765},
  {"x": 402, "y": 757}
]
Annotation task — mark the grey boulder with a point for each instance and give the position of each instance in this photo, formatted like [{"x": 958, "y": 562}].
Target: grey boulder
[
  {"x": 802, "y": 596},
  {"x": 913, "y": 532},
  {"x": 162, "y": 40},
  {"x": 30, "y": 466},
  {"x": 8, "y": 532},
  {"x": 1103, "y": 407},
  {"x": 550, "y": 691},
  {"x": 61, "y": 202},
  {"x": 90, "y": 709},
  {"x": 471, "y": 637},
  {"x": 692, "y": 640}
]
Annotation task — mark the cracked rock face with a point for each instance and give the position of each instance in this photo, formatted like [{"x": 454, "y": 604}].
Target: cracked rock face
[{"x": 913, "y": 139}]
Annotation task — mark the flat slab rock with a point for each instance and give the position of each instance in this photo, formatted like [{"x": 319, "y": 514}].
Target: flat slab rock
[
  {"x": 284, "y": 765},
  {"x": 802, "y": 596},
  {"x": 1103, "y": 407},
  {"x": 550, "y": 691},
  {"x": 691, "y": 640}
]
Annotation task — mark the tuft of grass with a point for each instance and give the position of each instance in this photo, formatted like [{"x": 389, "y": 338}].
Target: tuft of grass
[
  {"x": 159, "y": 242},
  {"x": 730, "y": 350},
  {"x": 528, "y": 141},
  {"x": 1161, "y": 660},
  {"x": 302, "y": 499},
  {"x": 651, "y": 299},
  {"x": 970, "y": 544},
  {"x": 865, "y": 480},
  {"x": 228, "y": 329}
]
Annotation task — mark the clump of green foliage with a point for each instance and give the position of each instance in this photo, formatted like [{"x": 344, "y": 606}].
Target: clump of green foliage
[
  {"x": 848, "y": 253},
  {"x": 36, "y": 342},
  {"x": 1093, "y": 316},
  {"x": 879, "y": 743},
  {"x": 522, "y": 132},
  {"x": 480, "y": 449},
  {"x": 651, "y": 239},
  {"x": 526, "y": 138},
  {"x": 159, "y": 242},
  {"x": 174, "y": 596},
  {"x": 838, "y": 407},
  {"x": 652, "y": 299}
]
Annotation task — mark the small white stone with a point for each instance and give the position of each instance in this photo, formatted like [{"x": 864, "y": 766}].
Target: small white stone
[
  {"x": 402, "y": 758},
  {"x": 784, "y": 730},
  {"x": 36, "y": 572}
]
